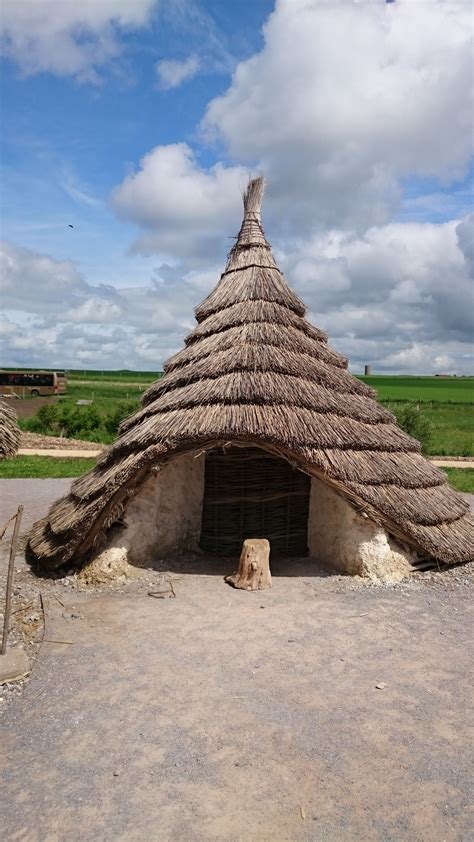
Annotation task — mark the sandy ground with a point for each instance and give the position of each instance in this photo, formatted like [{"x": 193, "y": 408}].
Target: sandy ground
[
  {"x": 452, "y": 462},
  {"x": 69, "y": 453},
  {"x": 322, "y": 709}
]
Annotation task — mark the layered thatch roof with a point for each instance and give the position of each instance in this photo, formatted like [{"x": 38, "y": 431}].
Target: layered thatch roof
[
  {"x": 9, "y": 431},
  {"x": 254, "y": 370}
]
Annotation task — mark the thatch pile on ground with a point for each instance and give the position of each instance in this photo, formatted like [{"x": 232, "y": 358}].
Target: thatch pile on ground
[
  {"x": 255, "y": 371},
  {"x": 9, "y": 431}
]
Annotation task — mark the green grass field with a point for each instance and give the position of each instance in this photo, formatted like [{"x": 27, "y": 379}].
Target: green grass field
[
  {"x": 117, "y": 376},
  {"x": 452, "y": 429},
  {"x": 104, "y": 391},
  {"x": 423, "y": 389},
  {"x": 461, "y": 478},
  {"x": 44, "y": 467},
  {"x": 446, "y": 403}
]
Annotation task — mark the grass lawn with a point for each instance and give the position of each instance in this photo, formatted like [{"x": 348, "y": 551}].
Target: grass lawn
[
  {"x": 423, "y": 389},
  {"x": 447, "y": 403},
  {"x": 461, "y": 478},
  {"x": 452, "y": 427},
  {"x": 44, "y": 467},
  {"x": 102, "y": 392}
]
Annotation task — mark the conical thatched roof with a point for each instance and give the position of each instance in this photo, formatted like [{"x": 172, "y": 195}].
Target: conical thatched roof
[
  {"x": 254, "y": 370},
  {"x": 9, "y": 431}
]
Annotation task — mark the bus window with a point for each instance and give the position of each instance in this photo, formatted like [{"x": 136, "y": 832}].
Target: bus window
[{"x": 28, "y": 383}]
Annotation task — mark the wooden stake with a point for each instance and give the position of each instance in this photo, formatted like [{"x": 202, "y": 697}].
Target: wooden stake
[
  {"x": 8, "y": 595},
  {"x": 253, "y": 573}
]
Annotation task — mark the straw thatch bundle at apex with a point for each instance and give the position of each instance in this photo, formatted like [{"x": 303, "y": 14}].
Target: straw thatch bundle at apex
[
  {"x": 256, "y": 399},
  {"x": 9, "y": 431}
]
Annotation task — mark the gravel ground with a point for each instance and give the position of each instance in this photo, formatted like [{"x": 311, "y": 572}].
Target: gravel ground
[
  {"x": 323, "y": 709},
  {"x": 36, "y": 495},
  {"x": 26, "y": 626}
]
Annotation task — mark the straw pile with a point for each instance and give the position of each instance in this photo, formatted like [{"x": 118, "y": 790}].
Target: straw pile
[
  {"x": 9, "y": 431},
  {"x": 254, "y": 371}
]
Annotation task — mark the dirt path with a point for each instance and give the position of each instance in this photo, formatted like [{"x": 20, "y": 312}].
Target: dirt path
[
  {"x": 69, "y": 453},
  {"x": 230, "y": 716},
  {"x": 36, "y": 495},
  {"x": 37, "y": 442},
  {"x": 452, "y": 462},
  {"x": 224, "y": 715},
  {"x": 33, "y": 444}
]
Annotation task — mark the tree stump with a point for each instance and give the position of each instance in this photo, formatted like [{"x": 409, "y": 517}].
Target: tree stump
[{"x": 253, "y": 573}]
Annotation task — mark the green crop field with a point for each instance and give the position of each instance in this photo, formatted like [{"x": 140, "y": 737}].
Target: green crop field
[
  {"x": 104, "y": 390},
  {"x": 451, "y": 429},
  {"x": 445, "y": 407},
  {"x": 117, "y": 376},
  {"x": 423, "y": 389},
  {"x": 461, "y": 478}
]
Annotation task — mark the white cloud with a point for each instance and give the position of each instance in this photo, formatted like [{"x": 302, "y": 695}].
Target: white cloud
[
  {"x": 182, "y": 208},
  {"x": 52, "y": 316},
  {"x": 344, "y": 103},
  {"x": 94, "y": 309},
  {"x": 66, "y": 37},
  {"x": 465, "y": 235},
  {"x": 33, "y": 282},
  {"x": 344, "y": 100},
  {"x": 400, "y": 296},
  {"x": 172, "y": 73}
]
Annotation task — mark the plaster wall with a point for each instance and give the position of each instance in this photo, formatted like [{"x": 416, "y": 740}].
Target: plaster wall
[
  {"x": 164, "y": 517},
  {"x": 340, "y": 537}
]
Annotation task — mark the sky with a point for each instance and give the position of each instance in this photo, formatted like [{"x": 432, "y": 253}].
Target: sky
[{"x": 130, "y": 128}]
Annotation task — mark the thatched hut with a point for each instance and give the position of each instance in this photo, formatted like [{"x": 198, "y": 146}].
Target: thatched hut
[
  {"x": 9, "y": 431},
  {"x": 257, "y": 429}
]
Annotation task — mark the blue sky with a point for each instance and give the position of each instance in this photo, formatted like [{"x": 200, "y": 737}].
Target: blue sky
[
  {"x": 65, "y": 144},
  {"x": 137, "y": 122}
]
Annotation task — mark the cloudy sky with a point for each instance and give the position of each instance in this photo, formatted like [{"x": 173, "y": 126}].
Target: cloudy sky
[{"x": 138, "y": 121}]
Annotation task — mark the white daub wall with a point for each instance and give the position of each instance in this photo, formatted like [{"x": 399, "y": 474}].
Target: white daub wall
[
  {"x": 164, "y": 518},
  {"x": 341, "y": 538}
]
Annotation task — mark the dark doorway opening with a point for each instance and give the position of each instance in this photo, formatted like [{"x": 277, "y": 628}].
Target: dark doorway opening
[{"x": 249, "y": 493}]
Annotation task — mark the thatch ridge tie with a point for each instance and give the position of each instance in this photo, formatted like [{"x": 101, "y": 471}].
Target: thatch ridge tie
[{"x": 252, "y": 266}]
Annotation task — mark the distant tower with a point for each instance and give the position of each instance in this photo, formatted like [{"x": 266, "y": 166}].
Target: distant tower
[{"x": 367, "y": 370}]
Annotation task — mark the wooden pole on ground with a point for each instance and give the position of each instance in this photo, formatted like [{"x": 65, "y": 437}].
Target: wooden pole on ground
[
  {"x": 8, "y": 595},
  {"x": 253, "y": 573}
]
